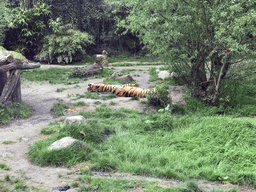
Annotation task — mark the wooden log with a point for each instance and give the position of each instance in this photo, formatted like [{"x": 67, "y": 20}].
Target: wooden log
[
  {"x": 10, "y": 66},
  {"x": 29, "y": 66},
  {"x": 9, "y": 87},
  {"x": 16, "y": 96},
  {"x": 6, "y": 59}
]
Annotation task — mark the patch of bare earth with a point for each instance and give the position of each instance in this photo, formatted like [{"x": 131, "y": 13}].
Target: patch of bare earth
[{"x": 42, "y": 96}]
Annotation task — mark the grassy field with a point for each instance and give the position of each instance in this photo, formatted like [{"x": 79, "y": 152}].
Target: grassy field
[{"x": 215, "y": 143}]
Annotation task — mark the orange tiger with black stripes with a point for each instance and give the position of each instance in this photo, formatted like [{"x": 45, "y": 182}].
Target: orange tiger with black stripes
[{"x": 127, "y": 90}]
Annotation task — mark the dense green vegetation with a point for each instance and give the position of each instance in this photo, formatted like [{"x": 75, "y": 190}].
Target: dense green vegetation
[{"x": 209, "y": 138}]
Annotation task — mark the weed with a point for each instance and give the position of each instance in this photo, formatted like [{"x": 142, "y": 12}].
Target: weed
[
  {"x": 58, "y": 108},
  {"x": 134, "y": 98},
  {"x": 112, "y": 103},
  {"x": 79, "y": 103},
  {"x": 97, "y": 102},
  {"x": 7, "y": 178},
  {"x": 9, "y": 142},
  {"x": 61, "y": 89},
  {"x": 4, "y": 166}
]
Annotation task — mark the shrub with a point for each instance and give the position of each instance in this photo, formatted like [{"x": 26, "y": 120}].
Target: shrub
[
  {"x": 29, "y": 26},
  {"x": 65, "y": 44},
  {"x": 160, "y": 97}
]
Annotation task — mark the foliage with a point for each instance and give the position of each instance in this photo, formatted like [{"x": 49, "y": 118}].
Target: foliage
[
  {"x": 159, "y": 97},
  {"x": 187, "y": 35},
  {"x": 64, "y": 45},
  {"x": 28, "y": 28},
  {"x": 16, "y": 55},
  {"x": 3, "y": 20}
]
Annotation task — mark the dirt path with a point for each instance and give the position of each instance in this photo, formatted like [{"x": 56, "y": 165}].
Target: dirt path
[{"x": 42, "y": 96}]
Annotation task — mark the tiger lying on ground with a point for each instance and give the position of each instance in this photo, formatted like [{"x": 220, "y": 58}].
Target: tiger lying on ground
[{"x": 128, "y": 90}]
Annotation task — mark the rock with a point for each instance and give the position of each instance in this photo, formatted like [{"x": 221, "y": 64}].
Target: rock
[
  {"x": 126, "y": 79},
  {"x": 164, "y": 74},
  {"x": 66, "y": 142},
  {"x": 157, "y": 71},
  {"x": 75, "y": 119},
  {"x": 116, "y": 74},
  {"x": 61, "y": 188}
]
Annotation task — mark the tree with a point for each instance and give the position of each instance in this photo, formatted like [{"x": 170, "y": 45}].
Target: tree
[
  {"x": 3, "y": 21},
  {"x": 190, "y": 33}
]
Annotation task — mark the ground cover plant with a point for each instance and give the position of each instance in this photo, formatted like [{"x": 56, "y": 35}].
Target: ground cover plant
[
  {"x": 11, "y": 184},
  {"x": 87, "y": 183},
  {"x": 93, "y": 95},
  {"x": 14, "y": 111},
  {"x": 182, "y": 147}
]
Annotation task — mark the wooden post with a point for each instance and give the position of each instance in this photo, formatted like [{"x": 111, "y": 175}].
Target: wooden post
[
  {"x": 16, "y": 96},
  {"x": 3, "y": 78},
  {"x": 10, "y": 86}
]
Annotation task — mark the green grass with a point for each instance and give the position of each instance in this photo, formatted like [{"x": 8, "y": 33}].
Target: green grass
[
  {"x": 181, "y": 147},
  {"x": 59, "y": 107},
  {"x": 11, "y": 184},
  {"x": 133, "y": 64},
  {"x": 9, "y": 142},
  {"x": 4, "y": 166},
  {"x": 127, "y": 71},
  {"x": 97, "y": 102},
  {"x": 14, "y": 111},
  {"x": 87, "y": 183},
  {"x": 112, "y": 103},
  {"x": 53, "y": 75},
  {"x": 94, "y": 95}
]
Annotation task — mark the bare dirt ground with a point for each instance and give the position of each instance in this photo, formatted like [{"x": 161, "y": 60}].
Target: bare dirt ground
[{"x": 42, "y": 96}]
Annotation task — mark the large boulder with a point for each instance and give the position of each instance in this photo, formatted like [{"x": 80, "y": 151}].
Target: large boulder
[
  {"x": 66, "y": 142},
  {"x": 164, "y": 74},
  {"x": 75, "y": 119},
  {"x": 126, "y": 79}
]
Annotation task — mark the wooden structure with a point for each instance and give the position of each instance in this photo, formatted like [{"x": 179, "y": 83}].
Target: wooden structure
[{"x": 10, "y": 82}]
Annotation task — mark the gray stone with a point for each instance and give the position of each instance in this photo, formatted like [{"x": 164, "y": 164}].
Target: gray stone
[
  {"x": 75, "y": 119},
  {"x": 164, "y": 74},
  {"x": 66, "y": 142},
  {"x": 126, "y": 79},
  {"x": 157, "y": 71},
  {"x": 116, "y": 74}
]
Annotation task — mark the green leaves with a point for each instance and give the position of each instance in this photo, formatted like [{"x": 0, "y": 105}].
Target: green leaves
[{"x": 64, "y": 45}]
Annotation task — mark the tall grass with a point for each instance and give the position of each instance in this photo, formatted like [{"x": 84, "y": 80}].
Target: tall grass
[{"x": 180, "y": 147}]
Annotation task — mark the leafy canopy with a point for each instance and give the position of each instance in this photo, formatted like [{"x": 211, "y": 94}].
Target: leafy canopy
[{"x": 188, "y": 34}]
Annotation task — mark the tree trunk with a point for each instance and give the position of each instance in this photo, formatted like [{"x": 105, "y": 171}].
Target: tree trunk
[
  {"x": 16, "y": 96},
  {"x": 3, "y": 78}
]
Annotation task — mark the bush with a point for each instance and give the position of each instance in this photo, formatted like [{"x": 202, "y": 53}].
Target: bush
[
  {"x": 29, "y": 26},
  {"x": 64, "y": 45},
  {"x": 160, "y": 97}
]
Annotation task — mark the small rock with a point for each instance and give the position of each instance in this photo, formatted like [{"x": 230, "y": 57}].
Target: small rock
[
  {"x": 66, "y": 142},
  {"x": 157, "y": 71},
  {"x": 61, "y": 188},
  {"x": 164, "y": 74},
  {"x": 115, "y": 75},
  {"x": 75, "y": 119}
]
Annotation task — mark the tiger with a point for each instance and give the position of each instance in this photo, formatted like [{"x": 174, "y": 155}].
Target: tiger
[{"x": 128, "y": 90}]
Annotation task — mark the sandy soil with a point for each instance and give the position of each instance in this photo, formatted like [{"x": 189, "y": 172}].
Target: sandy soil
[{"x": 42, "y": 96}]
